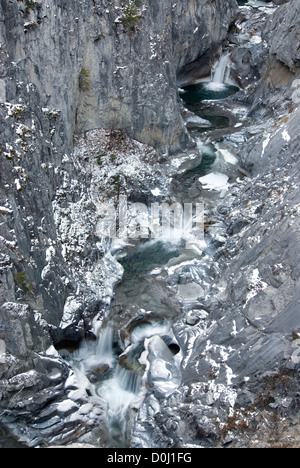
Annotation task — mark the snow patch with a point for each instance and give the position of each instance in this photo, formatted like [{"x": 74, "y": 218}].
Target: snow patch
[
  {"x": 5, "y": 211},
  {"x": 70, "y": 309},
  {"x": 18, "y": 185},
  {"x": 286, "y": 136},
  {"x": 156, "y": 192},
  {"x": 215, "y": 181},
  {"x": 198, "y": 121},
  {"x": 256, "y": 285},
  {"x": 66, "y": 406},
  {"x": 265, "y": 144},
  {"x": 228, "y": 157}
]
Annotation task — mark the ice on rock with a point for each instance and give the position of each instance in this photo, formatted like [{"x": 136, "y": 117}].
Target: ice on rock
[
  {"x": 164, "y": 373},
  {"x": 215, "y": 181}
]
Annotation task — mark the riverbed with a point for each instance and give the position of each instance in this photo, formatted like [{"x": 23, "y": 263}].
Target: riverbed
[{"x": 134, "y": 348}]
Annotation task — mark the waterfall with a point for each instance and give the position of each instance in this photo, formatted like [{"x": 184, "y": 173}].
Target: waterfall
[
  {"x": 119, "y": 392},
  {"x": 220, "y": 70},
  {"x": 93, "y": 354},
  {"x": 104, "y": 351},
  {"x": 123, "y": 388},
  {"x": 219, "y": 75},
  {"x": 127, "y": 381}
]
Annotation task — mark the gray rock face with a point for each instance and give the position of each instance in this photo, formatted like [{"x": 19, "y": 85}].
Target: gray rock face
[
  {"x": 284, "y": 35},
  {"x": 241, "y": 365},
  {"x": 68, "y": 68},
  {"x": 280, "y": 2},
  {"x": 110, "y": 65}
]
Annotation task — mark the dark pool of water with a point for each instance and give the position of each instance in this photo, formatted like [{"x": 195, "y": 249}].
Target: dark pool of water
[
  {"x": 217, "y": 121},
  {"x": 206, "y": 92},
  {"x": 208, "y": 158}
]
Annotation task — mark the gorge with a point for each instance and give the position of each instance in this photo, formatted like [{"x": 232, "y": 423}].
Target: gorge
[{"x": 136, "y": 340}]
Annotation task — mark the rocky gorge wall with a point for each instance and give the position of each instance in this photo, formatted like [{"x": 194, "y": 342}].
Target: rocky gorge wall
[
  {"x": 70, "y": 67},
  {"x": 110, "y": 64},
  {"x": 240, "y": 373}
]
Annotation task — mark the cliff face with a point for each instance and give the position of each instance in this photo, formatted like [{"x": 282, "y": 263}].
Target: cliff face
[
  {"x": 111, "y": 64},
  {"x": 76, "y": 78},
  {"x": 67, "y": 67},
  {"x": 240, "y": 370}
]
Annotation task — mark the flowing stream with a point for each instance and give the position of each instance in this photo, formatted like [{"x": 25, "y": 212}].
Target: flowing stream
[
  {"x": 219, "y": 75},
  {"x": 113, "y": 367},
  {"x": 219, "y": 87}
]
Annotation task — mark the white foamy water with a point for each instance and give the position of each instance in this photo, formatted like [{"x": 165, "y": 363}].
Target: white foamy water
[
  {"x": 147, "y": 330},
  {"x": 220, "y": 70},
  {"x": 120, "y": 391},
  {"x": 217, "y": 82},
  {"x": 104, "y": 350},
  {"x": 92, "y": 354},
  {"x": 212, "y": 86}
]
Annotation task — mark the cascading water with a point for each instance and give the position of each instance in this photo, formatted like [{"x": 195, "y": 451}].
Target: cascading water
[
  {"x": 113, "y": 368},
  {"x": 221, "y": 69},
  {"x": 122, "y": 390},
  {"x": 219, "y": 87},
  {"x": 100, "y": 371},
  {"x": 92, "y": 354},
  {"x": 219, "y": 73},
  {"x": 119, "y": 393},
  {"x": 97, "y": 371},
  {"x": 104, "y": 350}
]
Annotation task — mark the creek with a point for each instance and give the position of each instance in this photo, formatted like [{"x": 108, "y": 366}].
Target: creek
[{"x": 134, "y": 347}]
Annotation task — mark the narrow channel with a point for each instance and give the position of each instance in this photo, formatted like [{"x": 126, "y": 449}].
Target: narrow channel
[{"x": 138, "y": 325}]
